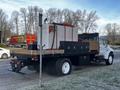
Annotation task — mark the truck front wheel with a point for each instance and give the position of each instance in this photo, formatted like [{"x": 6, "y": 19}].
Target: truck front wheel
[{"x": 109, "y": 61}]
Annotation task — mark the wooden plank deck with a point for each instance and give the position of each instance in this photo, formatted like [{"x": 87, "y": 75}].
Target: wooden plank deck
[{"x": 34, "y": 52}]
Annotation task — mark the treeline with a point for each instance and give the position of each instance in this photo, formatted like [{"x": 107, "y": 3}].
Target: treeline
[
  {"x": 5, "y": 26},
  {"x": 26, "y": 20},
  {"x": 113, "y": 33}
]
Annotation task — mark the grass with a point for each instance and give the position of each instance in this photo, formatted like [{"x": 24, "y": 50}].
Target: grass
[
  {"x": 100, "y": 78},
  {"x": 3, "y": 45}
]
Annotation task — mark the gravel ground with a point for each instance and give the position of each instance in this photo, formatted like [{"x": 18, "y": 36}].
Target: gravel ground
[{"x": 101, "y": 78}]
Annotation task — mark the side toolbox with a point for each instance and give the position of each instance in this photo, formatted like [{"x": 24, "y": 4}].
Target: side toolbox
[{"x": 74, "y": 48}]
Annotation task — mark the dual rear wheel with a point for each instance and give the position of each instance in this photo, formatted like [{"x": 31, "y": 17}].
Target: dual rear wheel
[{"x": 60, "y": 67}]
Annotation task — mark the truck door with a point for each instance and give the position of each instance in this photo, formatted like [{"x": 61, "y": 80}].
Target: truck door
[{"x": 103, "y": 47}]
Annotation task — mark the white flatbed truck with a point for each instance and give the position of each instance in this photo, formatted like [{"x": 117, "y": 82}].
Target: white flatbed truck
[{"x": 59, "y": 56}]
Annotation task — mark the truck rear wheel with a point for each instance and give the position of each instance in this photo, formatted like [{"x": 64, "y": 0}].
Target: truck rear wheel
[
  {"x": 63, "y": 67},
  {"x": 16, "y": 67},
  {"x": 109, "y": 61},
  {"x": 59, "y": 67}
]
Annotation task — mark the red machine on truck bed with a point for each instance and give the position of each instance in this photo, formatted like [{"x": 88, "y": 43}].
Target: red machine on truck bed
[{"x": 22, "y": 39}]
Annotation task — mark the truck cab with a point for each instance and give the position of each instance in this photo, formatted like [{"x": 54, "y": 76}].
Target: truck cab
[
  {"x": 98, "y": 47},
  {"x": 106, "y": 51}
]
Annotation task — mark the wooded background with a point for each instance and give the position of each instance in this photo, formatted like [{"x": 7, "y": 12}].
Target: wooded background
[{"x": 26, "y": 21}]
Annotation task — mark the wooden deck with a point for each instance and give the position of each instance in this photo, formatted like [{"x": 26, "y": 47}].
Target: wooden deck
[{"x": 34, "y": 52}]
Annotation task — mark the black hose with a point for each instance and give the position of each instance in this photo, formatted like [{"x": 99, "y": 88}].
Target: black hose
[{"x": 53, "y": 37}]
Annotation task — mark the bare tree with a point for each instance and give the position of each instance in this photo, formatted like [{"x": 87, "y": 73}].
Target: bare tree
[
  {"x": 7, "y": 32},
  {"x": 51, "y": 15},
  {"x": 86, "y": 21},
  {"x": 4, "y": 27},
  {"x": 3, "y": 21},
  {"x": 30, "y": 19},
  {"x": 112, "y": 32},
  {"x": 15, "y": 17},
  {"x": 36, "y": 13},
  {"x": 36, "y": 10},
  {"x": 24, "y": 16},
  {"x": 59, "y": 16},
  {"x": 91, "y": 21},
  {"x": 68, "y": 16}
]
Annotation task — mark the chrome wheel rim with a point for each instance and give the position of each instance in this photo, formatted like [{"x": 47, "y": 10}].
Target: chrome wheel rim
[
  {"x": 65, "y": 68},
  {"x": 110, "y": 59}
]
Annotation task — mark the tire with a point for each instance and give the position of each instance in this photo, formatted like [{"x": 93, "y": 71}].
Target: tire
[
  {"x": 18, "y": 69},
  {"x": 15, "y": 68},
  {"x": 4, "y": 56},
  {"x": 63, "y": 67},
  {"x": 51, "y": 68},
  {"x": 109, "y": 61}
]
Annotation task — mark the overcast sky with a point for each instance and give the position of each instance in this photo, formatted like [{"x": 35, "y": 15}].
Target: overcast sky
[{"x": 107, "y": 10}]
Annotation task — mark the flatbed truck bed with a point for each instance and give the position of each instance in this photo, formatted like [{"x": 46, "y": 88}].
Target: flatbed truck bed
[{"x": 17, "y": 51}]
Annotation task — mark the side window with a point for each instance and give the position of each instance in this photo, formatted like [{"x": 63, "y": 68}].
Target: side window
[{"x": 103, "y": 42}]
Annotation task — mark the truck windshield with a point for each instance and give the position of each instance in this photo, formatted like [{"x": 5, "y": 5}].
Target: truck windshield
[{"x": 103, "y": 41}]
